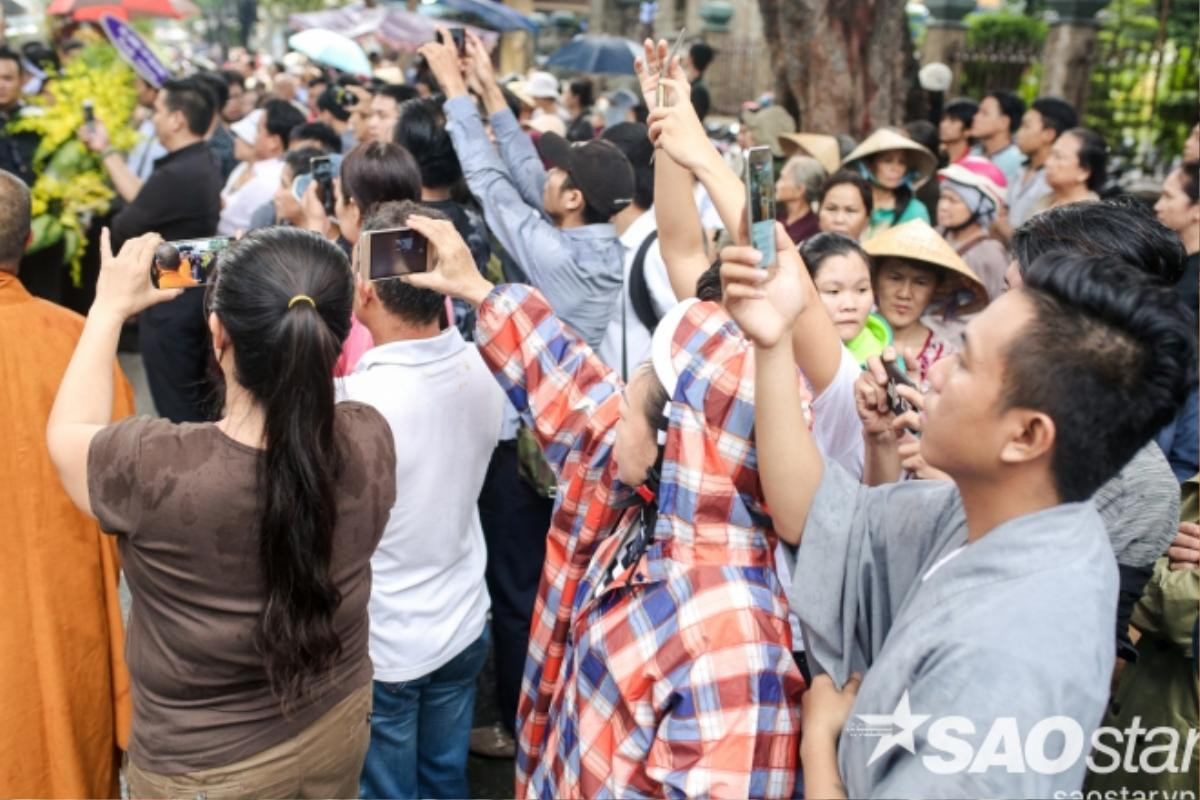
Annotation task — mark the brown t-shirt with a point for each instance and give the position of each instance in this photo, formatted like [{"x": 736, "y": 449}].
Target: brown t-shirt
[{"x": 184, "y": 503}]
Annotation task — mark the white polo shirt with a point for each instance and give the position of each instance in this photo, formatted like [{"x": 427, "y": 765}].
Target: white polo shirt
[
  {"x": 428, "y": 596},
  {"x": 239, "y": 205}
]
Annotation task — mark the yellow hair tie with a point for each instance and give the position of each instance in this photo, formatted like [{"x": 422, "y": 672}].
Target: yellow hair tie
[{"x": 301, "y": 298}]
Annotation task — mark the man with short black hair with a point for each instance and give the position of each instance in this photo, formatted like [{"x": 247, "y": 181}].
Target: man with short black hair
[
  {"x": 333, "y": 109},
  {"x": 180, "y": 200},
  {"x": 993, "y": 127},
  {"x": 429, "y": 605},
  {"x": 1041, "y": 125},
  {"x": 249, "y": 190},
  {"x": 385, "y": 110},
  {"x": 315, "y": 134},
  {"x": 16, "y": 149},
  {"x": 954, "y": 128}
]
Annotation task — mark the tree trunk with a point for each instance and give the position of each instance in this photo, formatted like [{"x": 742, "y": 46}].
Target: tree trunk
[{"x": 848, "y": 66}]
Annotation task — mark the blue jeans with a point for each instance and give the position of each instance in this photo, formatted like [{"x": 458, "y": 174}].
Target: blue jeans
[{"x": 421, "y": 731}]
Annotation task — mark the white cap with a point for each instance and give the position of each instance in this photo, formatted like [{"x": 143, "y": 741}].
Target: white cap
[
  {"x": 246, "y": 128},
  {"x": 662, "y": 345},
  {"x": 542, "y": 85}
]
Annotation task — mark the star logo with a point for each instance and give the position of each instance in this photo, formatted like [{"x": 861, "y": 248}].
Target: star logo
[{"x": 902, "y": 718}]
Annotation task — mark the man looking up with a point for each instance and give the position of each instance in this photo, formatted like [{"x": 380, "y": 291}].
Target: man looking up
[
  {"x": 1040, "y": 127},
  {"x": 927, "y": 586},
  {"x": 180, "y": 200},
  {"x": 995, "y": 123}
]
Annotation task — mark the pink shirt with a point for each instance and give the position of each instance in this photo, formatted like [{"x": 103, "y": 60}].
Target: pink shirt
[{"x": 358, "y": 342}]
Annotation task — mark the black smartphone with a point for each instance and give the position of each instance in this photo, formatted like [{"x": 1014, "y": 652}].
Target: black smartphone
[
  {"x": 89, "y": 115},
  {"x": 322, "y": 173},
  {"x": 760, "y": 202},
  {"x": 388, "y": 253},
  {"x": 896, "y": 403},
  {"x": 459, "y": 37},
  {"x": 187, "y": 263}
]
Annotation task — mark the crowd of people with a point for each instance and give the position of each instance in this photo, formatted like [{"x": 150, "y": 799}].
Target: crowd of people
[{"x": 721, "y": 528}]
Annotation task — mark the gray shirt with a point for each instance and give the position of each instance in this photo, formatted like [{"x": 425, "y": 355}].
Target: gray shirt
[
  {"x": 577, "y": 269},
  {"x": 1023, "y": 196},
  {"x": 1140, "y": 508},
  {"x": 1017, "y": 625}
]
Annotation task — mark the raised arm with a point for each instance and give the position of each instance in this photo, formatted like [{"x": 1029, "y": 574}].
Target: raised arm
[
  {"x": 516, "y": 148},
  {"x": 678, "y": 131},
  {"x": 680, "y": 234},
  {"x": 766, "y": 304},
  {"x": 84, "y": 403}
]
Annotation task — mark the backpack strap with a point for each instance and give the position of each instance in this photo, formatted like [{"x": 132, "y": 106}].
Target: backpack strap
[{"x": 639, "y": 292}]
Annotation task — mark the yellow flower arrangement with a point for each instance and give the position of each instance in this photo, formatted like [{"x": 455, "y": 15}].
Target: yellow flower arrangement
[{"x": 71, "y": 187}]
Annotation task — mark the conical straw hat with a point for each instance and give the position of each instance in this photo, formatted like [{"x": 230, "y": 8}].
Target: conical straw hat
[
  {"x": 822, "y": 147},
  {"x": 917, "y": 241},
  {"x": 884, "y": 139}
]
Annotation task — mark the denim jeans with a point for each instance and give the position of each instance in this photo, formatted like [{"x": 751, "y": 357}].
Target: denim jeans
[{"x": 421, "y": 731}]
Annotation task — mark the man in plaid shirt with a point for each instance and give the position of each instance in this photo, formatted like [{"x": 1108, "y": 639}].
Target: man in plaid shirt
[{"x": 660, "y": 656}]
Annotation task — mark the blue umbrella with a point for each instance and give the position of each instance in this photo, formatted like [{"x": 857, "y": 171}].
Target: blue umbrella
[
  {"x": 332, "y": 50},
  {"x": 490, "y": 14},
  {"x": 596, "y": 54}
]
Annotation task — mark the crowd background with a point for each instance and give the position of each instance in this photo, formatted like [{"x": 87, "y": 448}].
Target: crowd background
[{"x": 908, "y": 233}]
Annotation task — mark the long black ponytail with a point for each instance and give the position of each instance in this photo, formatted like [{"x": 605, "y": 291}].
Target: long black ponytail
[{"x": 284, "y": 296}]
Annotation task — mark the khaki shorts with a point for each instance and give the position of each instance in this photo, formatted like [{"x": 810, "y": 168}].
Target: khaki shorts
[{"x": 324, "y": 760}]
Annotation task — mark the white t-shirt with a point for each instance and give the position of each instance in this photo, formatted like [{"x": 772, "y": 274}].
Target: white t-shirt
[
  {"x": 240, "y": 204},
  {"x": 429, "y": 600},
  {"x": 662, "y": 297}
]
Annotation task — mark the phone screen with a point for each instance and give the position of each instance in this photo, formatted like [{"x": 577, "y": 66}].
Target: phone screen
[
  {"x": 322, "y": 173},
  {"x": 187, "y": 263},
  {"x": 760, "y": 202},
  {"x": 398, "y": 251},
  {"x": 460, "y": 40}
]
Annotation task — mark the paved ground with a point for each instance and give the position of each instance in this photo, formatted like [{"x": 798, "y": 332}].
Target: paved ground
[{"x": 489, "y": 777}]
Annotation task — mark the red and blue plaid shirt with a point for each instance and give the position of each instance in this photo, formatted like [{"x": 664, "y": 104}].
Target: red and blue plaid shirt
[{"x": 676, "y": 677}]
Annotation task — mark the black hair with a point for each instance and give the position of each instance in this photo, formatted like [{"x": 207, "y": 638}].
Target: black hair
[
  {"x": 923, "y": 132},
  {"x": 708, "y": 285},
  {"x": 42, "y": 56},
  {"x": 632, "y": 139},
  {"x": 192, "y": 98},
  {"x": 512, "y": 101},
  {"x": 217, "y": 85},
  {"x": 815, "y": 249},
  {"x": 318, "y": 132},
  {"x": 1011, "y": 106},
  {"x": 283, "y": 356},
  {"x": 1190, "y": 178},
  {"x": 330, "y": 101},
  {"x": 1093, "y": 156},
  {"x": 421, "y": 130},
  {"x": 1056, "y": 113},
  {"x": 400, "y": 298},
  {"x": 8, "y": 54},
  {"x": 591, "y": 216},
  {"x": 582, "y": 89},
  {"x": 701, "y": 55},
  {"x": 232, "y": 78},
  {"x": 300, "y": 161},
  {"x": 1115, "y": 228},
  {"x": 398, "y": 92},
  {"x": 376, "y": 172},
  {"x": 1108, "y": 356},
  {"x": 655, "y": 401},
  {"x": 855, "y": 180},
  {"x": 962, "y": 109},
  {"x": 281, "y": 119}
]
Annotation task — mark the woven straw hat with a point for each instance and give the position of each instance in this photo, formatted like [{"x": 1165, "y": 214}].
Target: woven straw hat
[
  {"x": 885, "y": 139},
  {"x": 822, "y": 147},
  {"x": 915, "y": 240}
]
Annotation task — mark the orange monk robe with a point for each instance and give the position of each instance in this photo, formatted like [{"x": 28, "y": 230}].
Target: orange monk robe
[{"x": 64, "y": 688}]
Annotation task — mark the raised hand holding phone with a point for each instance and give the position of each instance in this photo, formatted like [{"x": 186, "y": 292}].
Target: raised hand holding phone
[
  {"x": 452, "y": 268},
  {"x": 760, "y": 202},
  {"x": 764, "y": 303},
  {"x": 123, "y": 287}
]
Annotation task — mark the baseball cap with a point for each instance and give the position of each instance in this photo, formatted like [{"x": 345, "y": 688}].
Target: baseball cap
[{"x": 598, "y": 167}]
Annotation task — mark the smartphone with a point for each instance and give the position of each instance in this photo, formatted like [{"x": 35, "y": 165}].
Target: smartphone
[
  {"x": 760, "y": 202},
  {"x": 388, "y": 253},
  {"x": 322, "y": 173},
  {"x": 660, "y": 95},
  {"x": 896, "y": 403},
  {"x": 187, "y": 263},
  {"x": 89, "y": 115},
  {"x": 459, "y": 37}
]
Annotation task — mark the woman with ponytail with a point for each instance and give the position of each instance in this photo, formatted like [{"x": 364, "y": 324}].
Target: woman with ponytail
[{"x": 246, "y": 542}]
